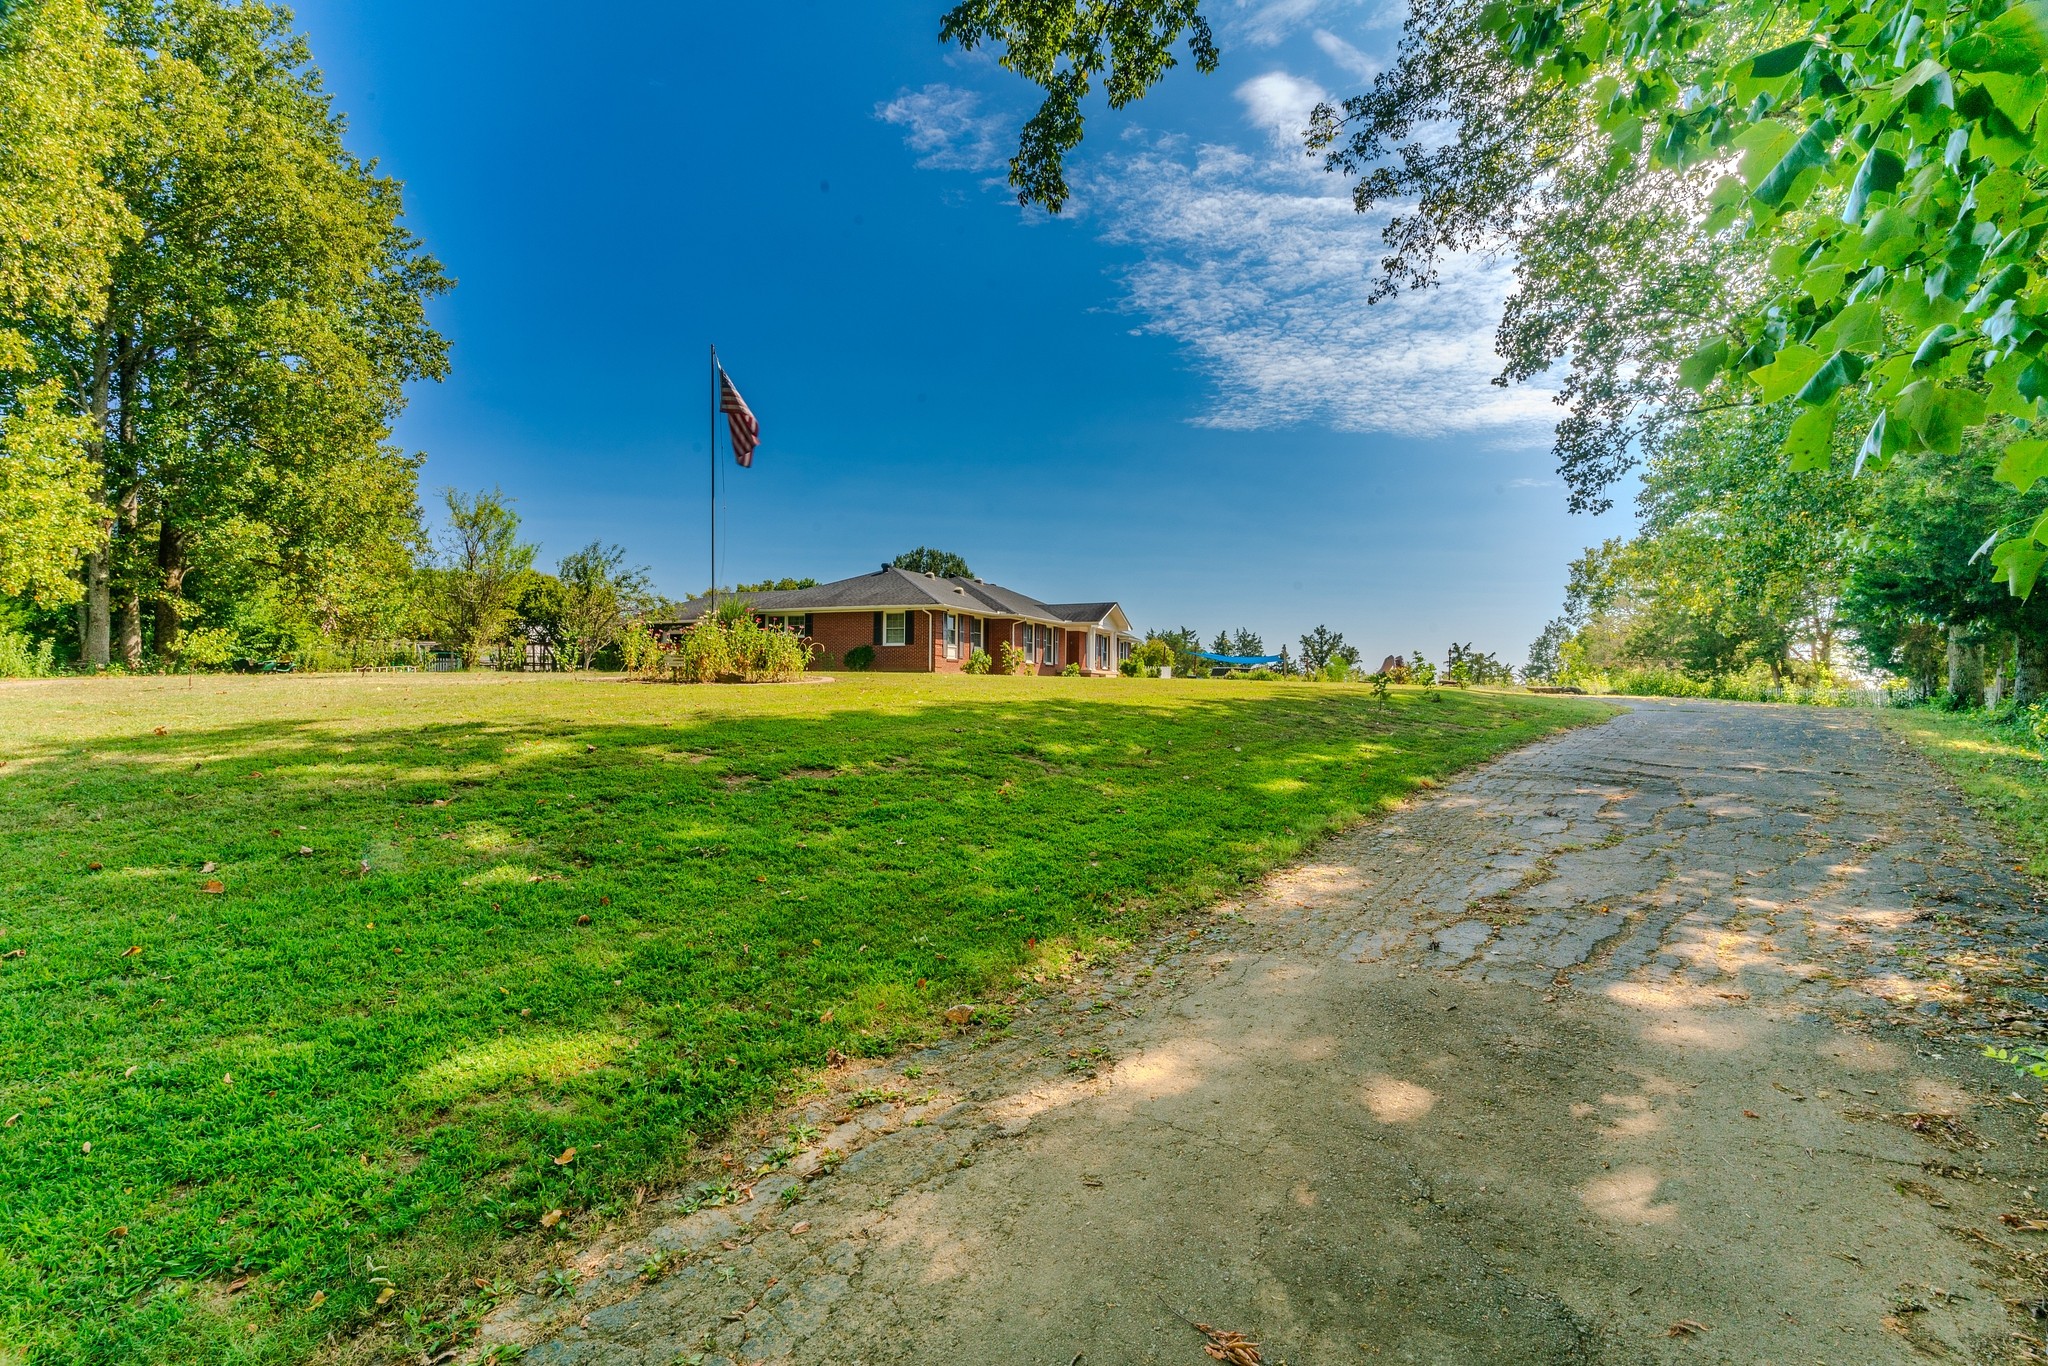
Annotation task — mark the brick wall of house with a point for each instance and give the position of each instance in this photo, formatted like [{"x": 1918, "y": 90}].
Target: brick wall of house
[{"x": 837, "y": 632}]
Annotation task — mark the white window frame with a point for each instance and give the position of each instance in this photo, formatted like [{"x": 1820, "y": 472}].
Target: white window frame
[
  {"x": 952, "y": 635},
  {"x": 1049, "y": 648},
  {"x": 1101, "y": 653},
  {"x": 976, "y": 635},
  {"x": 895, "y": 628}
]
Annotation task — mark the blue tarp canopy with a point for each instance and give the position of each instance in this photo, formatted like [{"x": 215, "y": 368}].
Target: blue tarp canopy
[{"x": 1240, "y": 661}]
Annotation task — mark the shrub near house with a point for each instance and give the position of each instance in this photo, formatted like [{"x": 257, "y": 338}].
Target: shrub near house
[{"x": 906, "y": 621}]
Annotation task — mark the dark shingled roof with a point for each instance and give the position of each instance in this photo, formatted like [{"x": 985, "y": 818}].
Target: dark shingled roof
[
  {"x": 902, "y": 588},
  {"x": 892, "y": 588}
]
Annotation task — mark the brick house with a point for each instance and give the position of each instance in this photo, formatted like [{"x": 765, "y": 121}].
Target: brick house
[{"x": 923, "y": 623}]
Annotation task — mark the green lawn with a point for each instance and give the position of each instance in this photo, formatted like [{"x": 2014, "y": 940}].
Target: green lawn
[
  {"x": 348, "y": 1056},
  {"x": 1999, "y": 769}
]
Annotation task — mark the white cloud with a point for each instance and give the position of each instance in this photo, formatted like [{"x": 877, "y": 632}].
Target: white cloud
[
  {"x": 1263, "y": 278},
  {"x": 945, "y": 127},
  {"x": 1349, "y": 59},
  {"x": 1279, "y": 104},
  {"x": 1533, "y": 484},
  {"x": 1267, "y": 22}
]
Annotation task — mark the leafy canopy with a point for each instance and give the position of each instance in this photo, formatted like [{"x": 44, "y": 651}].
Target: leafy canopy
[{"x": 925, "y": 560}]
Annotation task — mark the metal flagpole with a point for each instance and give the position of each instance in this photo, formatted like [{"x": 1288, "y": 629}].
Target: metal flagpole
[{"x": 712, "y": 450}]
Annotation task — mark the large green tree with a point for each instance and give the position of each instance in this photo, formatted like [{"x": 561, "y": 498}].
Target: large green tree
[{"x": 242, "y": 348}]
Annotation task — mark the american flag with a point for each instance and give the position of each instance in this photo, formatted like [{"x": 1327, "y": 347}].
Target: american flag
[{"x": 746, "y": 431}]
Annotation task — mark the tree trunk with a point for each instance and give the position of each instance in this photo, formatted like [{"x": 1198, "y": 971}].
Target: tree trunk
[
  {"x": 95, "y": 649},
  {"x": 128, "y": 624},
  {"x": 1965, "y": 669},
  {"x": 2030, "y": 681},
  {"x": 95, "y": 644},
  {"x": 170, "y": 562}
]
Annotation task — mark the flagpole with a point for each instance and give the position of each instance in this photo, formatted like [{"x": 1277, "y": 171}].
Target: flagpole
[{"x": 712, "y": 449}]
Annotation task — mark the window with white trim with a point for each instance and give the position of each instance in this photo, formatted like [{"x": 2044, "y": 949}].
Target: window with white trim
[
  {"x": 792, "y": 623},
  {"x": 976, "y": 639},
  {"x": 895, "y": 628},
  {"x": 1049, "y": 644},
  {"x": 952, "y": 635},
  {"x": 1101, "y": 653}
]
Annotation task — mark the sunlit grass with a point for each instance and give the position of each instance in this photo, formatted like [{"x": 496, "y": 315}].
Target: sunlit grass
[
  {"x": 1998, "y": 768},
  {"x": 457, "y": 926}
]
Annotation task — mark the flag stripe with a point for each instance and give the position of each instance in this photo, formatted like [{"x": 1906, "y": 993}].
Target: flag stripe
[{"x": 739, "y": 420}]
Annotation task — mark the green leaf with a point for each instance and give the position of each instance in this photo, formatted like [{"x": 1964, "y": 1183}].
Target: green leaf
[
  {"x": 2012, "y": 42},
  {"x": 1938, "y": 416},
  {"x": 2022, "y": 463},
  {"x": 1880, "y": 173},
  {"x": 1810, "y": 152},
  {"x": 1697, "y": 371},
  {"x": 1928, "y": 73},
  {"x": 1784, "y": 375},
  {"x": 1880, "y": 444},
  {"x": 1859, "y": 327},
  {"x": 1935, "y": 345},
  {"x": 1779, "y": 61},
  {"x": 1762, "y": 146},
  {"x": 2018, "y": 564},
  {"x": 1998, "y": 194},
  {"x": 1810, "y": 443},
  {"x": 2009, "y": 280},
  {"x": 1841, "y": 368}
]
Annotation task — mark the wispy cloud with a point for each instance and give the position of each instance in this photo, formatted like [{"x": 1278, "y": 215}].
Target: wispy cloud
[
  {"x": 1264, "y": 280},
  {"x": 944, "y": 125},
  {"x": 1533, "y": 483},
  {"x": 1255, "y": 262},
  {"x": 1348, "y": 59},
  {"x": 1279, "y": 103}
]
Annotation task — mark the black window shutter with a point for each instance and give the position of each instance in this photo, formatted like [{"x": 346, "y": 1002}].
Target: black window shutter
[
  {"x": 878, "y": 628},
  {"x": 810, "y": 624},
  {"x": 910, "y": 628}
]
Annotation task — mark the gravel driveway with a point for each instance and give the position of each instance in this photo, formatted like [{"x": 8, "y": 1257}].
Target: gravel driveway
[{"x": 1654, "y": 1042}]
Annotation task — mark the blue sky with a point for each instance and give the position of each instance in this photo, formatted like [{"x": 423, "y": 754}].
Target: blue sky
[{"x": 1174, "y": 394}]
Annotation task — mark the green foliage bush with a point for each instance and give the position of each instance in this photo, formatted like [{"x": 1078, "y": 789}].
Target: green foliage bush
[
  {"x": 209, "y": 647},
  {"x": 1262, "y": 675},
  {"x": 639, "y": 649},
  {"x": 21, "y": 657},
  {"x": 1131, "y": 668},
  {"x": 1071, "y": 671},
  {"x": 978, "y": 662},
  {"x": 1012, "y": 660},
  {"x": 860, "y": 659},
  {"x": 735, "y": 646}
]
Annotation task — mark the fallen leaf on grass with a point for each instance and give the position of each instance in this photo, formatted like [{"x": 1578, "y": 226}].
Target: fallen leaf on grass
[
  {"x": 238, "y": 1285},
  {"x": 15, "y": 953},
  {"x": 568, "y": 1156},
  {"x": 93, "y": 867},
  {"x": 161, "y": 730},
  {"x": 1685, "y": 1328},
  {"x": 798, "y": 1230},
  {"x": 120, "y": 1231},
  {"x": 960, "y": 1014},
  {"x": 208, "y": 866},
  {"x": 131, "y": 950},
  {"x": 551, "y": 1218},
  {"x": 10, "y": 1120},
  {"x": 2023, "y": 1223},
  {"x": 386, "y": 1295},
  {"x": 212, "y": 887},
  {"x": 319, "y": 1298},
  {"x": 305, "y": 851},
  {"x": 1227, "y": 1346}
]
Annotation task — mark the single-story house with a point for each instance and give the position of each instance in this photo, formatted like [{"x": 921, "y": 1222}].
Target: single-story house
[{"x": 926, "y": 623}]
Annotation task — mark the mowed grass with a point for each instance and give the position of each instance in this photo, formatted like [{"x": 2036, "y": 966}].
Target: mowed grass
[
  {"x": 236, "y": 1117},
  {"x": 1999, "y": 768}
]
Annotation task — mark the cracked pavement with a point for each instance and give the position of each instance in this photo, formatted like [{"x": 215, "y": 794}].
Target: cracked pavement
[{"x": 1656, "y": 1041}]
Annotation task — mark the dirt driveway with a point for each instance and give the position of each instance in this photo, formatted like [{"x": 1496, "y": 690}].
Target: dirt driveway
[{"x": 1651, "y": 1043}]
